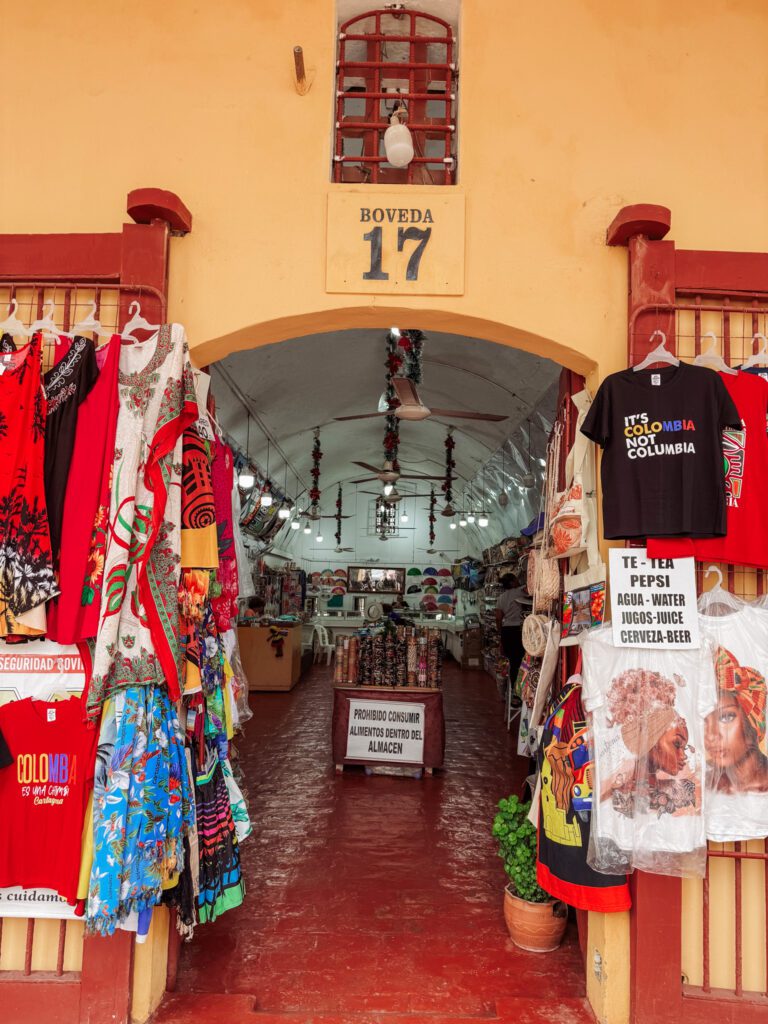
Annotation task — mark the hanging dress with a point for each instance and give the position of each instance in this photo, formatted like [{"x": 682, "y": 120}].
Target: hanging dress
[
  {"x": 26, "y": 567},
  {"x": 138, "y": 636},
  {"x": 67, "y": 385},
  {"x": 74, "y": 615}
]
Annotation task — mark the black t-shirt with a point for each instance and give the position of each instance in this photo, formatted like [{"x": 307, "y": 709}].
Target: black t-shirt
[
  {"x": 67, "y": 386},
  {"x": 662, "y": 469}
]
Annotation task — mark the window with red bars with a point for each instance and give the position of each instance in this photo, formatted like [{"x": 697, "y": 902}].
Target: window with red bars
[{"x": 388, "y": 61}]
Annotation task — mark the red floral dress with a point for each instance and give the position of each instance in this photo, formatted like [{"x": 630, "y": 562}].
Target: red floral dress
[{"x": 27, "y": 578}]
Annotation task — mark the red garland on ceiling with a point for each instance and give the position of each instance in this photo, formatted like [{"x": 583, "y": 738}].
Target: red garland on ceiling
[
  {"x": 432, "y": 517},
  {"x": 394, "y": 363},
  {"x": 317, "y": 454},
  {"x": 450, "y": 465},
  {"x": 338, "y": 517}
]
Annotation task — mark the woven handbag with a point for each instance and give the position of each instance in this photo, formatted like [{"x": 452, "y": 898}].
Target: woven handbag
[{"x": 535, "y": 632}]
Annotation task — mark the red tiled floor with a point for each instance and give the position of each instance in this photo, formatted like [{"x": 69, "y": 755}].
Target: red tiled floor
[{"x": 371, "y": 896}]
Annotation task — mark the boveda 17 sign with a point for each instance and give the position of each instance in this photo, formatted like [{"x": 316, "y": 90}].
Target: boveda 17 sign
[{"x": 387, "y": 243}]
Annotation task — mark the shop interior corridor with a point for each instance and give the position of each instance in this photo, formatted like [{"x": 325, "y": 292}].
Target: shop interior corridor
[{"x": 373, "y": 899}]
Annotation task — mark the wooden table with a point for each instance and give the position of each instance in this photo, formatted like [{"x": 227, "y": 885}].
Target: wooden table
[{"x": 263, "y": 669}]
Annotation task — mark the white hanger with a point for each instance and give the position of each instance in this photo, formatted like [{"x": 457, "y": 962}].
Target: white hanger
[
  {"x": 12, "y": 325},
  {"x": 46, "y": 324},
  {"x": 711, "y": 358},
  {"x": 88, "y": 323},
  {"x": 660, "y": 354},
  {"x": 136, "y": 323},
  {"x": 759, "y": 357},
  {"x": 718, "y": 601}
]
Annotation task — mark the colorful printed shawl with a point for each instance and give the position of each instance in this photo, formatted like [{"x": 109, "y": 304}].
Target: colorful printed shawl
[
  {"x": 142, "y": 806},
  {"x": 138, "y": 638}
]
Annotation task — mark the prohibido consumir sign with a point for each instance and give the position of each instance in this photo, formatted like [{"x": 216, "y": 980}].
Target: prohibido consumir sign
[{"x": 383, "y": 730}]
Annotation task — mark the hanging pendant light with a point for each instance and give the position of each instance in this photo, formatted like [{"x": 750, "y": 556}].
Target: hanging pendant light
[
  {"x": 503, "y": 496},
  {"x": 528, "y": 479},
  {"x": 307, "y": 529},
  {"x": 284, "y": 512},
  {"x": 295, "y": 525},
  {"x": 246, "y": 479},
  {"x": 266, "y": 498},
  {"x": 452, "y": 526}
]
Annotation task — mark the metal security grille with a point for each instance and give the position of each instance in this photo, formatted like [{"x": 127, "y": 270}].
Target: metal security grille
[{"x": 386, "y": 56}]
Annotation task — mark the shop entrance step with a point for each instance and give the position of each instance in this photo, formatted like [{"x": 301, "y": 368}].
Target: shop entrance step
[{"x": 191, "y": 1008}]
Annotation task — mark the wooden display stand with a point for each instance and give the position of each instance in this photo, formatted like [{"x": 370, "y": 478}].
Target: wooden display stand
[{"x": 263, "y": 669}]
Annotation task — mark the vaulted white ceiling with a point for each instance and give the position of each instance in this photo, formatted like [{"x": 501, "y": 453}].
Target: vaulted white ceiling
[{"x": 299, "y": 384}]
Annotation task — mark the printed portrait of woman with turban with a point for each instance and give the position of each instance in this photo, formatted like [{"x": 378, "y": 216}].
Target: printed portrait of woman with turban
[
  {"x": 734, "y": 739},
  {"x": 659, "y": 776}
]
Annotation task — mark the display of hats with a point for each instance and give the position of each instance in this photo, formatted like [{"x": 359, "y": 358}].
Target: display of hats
[
  {"x": 414, "y": 589},
  {"x": 315, "y": 576},
  {"x": 430, "y": 590},
  {"x": 443, "y": 572},
  {"x": 342, "y": 573},
  {"x": 446, "y": 590},
  {"x": 430, "y": 581},
  {"x": 413, "y": 572},
  {"x": 428, "y": 604},
  {"x": 326, "y": 574},
  {"x": 430, "y": 571},
  {"x": 339, "y": 590}
]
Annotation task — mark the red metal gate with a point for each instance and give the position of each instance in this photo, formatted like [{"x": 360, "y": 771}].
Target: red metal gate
[
  {"x": 68, "y": 270},
  {"x": 688, "y": 294}
]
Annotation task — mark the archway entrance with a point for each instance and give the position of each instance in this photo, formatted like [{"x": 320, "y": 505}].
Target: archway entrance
[{"x": 372, "y": 896}]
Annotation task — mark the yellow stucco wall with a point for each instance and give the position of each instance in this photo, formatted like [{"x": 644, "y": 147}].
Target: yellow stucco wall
[{"x": 568, "y": 111}]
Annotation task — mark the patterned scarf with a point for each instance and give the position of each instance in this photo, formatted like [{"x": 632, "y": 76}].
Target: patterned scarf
[{"x": 747, "y": 685}]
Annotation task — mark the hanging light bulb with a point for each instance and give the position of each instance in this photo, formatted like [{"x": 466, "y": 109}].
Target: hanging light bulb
[
  {"x": 388, "y": 488},
  {"x": 295, "y": 525},
  {"x": 307, "y": 529},
  {"x": 404, "y": 517},
  {"x": 398, "y": 141},
  {"x": 483, "y": 520},
  {"x": 471, "y": 517},
  {"x": 452, "y": 526},
  {"x": 283, "y": 512},
  {"x": 462, "y": 521},
  {"x": 266, "y": 499},
  {"x": 246, "y": 480},
  {"x": 319, "y": 538}
]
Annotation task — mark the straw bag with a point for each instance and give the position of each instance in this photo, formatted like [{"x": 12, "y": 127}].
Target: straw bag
[
  {"x": 535, "y": 633},
  {"x": 542, "y": 580}
]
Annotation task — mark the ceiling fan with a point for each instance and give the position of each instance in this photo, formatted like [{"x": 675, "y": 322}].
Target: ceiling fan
[
  {"x": 435, "y": 551},
  {"x": 388, "y": 475},
  {"x": 338, "y": 549},
  {"x": 411, "y": 407}
]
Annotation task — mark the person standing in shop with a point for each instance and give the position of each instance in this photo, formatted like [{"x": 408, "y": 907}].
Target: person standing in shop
[{"x": 510, "y": 609}]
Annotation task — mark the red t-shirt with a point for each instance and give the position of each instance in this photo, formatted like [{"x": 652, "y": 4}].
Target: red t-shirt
[
  {"x": 44, "y": 792},
  {"x": 745, "y": 463}
]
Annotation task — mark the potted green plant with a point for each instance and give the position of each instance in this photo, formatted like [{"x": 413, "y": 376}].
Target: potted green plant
[{"x": 536, "y": 922}]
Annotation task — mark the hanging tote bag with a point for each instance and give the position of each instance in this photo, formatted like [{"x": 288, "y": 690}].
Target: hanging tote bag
[
  {"x": 583, "y": 604},
  {"x": 544, "y": 585},
  {"x": 572, "y": 518}
]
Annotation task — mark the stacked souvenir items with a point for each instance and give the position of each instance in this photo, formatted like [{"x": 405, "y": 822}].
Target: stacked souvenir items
[{"x": 394, "y": 656}]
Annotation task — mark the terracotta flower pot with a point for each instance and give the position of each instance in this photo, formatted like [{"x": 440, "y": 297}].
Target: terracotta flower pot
[{"x": 537, "y": 927}]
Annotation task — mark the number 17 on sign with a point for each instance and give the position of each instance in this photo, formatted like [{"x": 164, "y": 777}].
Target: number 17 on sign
[{"x": 376, "y": 271}]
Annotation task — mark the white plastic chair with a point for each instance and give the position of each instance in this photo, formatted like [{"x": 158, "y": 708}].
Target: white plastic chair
[{"x": 322, "y": 645}]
